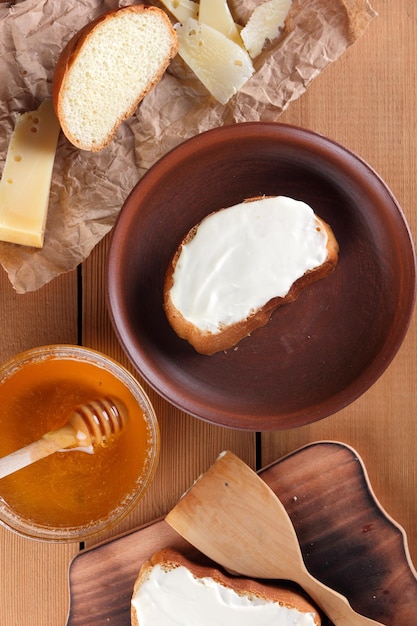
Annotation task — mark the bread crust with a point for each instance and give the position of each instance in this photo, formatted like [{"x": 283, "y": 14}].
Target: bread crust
[
  {"x": 69, "y": 55},
  {"x": 169, "y": 559},
  {"x": 208, "y": 343}
]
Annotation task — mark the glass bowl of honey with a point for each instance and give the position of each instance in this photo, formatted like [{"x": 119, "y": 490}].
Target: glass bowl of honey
[{"x": 75, "y": 493}]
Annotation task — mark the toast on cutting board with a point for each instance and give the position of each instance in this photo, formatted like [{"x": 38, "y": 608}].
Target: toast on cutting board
[{"x": 170, "y": 584}]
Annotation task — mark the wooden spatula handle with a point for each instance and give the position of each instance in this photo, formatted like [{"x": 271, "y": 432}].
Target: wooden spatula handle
[
  {"x": 332, "y": 603},
  {"x": 48, "y": 444}
]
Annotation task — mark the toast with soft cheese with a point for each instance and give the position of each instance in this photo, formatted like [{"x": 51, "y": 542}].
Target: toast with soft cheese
[
  {"x": 235, "y": 267},
  {"x": 171, "y": 590},
  {"x": 107, "y": 68}
]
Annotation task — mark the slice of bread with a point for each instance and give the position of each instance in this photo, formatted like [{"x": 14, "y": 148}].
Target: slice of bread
[
  {"x": 230, "y": 273},
  {"x": 171, "y": 585},
  {"x": 107, "y": 68}
]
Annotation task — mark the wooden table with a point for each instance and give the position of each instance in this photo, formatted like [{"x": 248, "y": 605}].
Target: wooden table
[{"x": 366, "y": 101}]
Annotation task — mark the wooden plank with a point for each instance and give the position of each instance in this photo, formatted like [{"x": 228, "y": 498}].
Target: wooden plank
[
  {"x": 38, "y": 318},
  {"x": 366, "y": 102},
  {"x": 188, "y": 445},
  {"x": 33, "y": 583}
]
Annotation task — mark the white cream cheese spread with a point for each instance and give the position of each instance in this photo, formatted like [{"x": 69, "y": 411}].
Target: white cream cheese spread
[
  {"x": 173, "y": 597},
  {"x": 242, "y": 257}
]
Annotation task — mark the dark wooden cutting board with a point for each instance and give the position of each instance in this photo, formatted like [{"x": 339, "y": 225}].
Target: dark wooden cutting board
[{"x": 348, "y": 541}]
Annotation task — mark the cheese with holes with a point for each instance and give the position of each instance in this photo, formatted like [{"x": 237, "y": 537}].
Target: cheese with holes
[
  {"x": 218, "y": 62},
  {"x": 264, "y": 25},
  {"x": 181, "y": 9},
  {"x": 26, "y": 181},
  {"x": 216, "y": 13}
]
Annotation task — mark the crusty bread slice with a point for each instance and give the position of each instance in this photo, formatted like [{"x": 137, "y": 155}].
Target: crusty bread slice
[
  {"x": 207, "y": 588},
  {"x": 107, "y": 68},
  {"x": 226, "y": 335}
]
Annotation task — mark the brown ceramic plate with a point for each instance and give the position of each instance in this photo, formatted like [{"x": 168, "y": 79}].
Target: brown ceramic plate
[
  {"x": 317, "y": 354},
  {"x": 347, "y": 539}
]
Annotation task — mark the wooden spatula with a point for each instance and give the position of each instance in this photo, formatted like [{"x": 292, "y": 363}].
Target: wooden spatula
[{"x": 233, "y": 517}]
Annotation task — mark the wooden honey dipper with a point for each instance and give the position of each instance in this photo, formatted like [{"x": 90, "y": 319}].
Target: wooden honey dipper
[{"x": 90, "y": 425}]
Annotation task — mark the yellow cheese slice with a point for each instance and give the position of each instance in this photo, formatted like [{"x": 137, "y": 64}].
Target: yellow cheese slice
[
  {"x": 264, "y": 25},
  {"x": 181, "y": 9},
  {"x": 26, "y": 180},
  {"x": 219, "y": 63},
  {"x": 216, "y": 13}
]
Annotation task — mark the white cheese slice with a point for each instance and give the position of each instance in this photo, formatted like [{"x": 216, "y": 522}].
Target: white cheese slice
[
  {"x": 219, "y": 63},
  {"x": 182, "y": 9},
  {"x": 26, "y": 181},
  {"x": 216, "y": 13},
  {"x": 264, "y": 25}
]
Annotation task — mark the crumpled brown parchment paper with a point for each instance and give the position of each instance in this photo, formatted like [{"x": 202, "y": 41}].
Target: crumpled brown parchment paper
[{"x": 88, "y": 190}]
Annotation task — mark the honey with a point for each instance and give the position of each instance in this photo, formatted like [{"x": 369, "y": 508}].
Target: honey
[{"x": 72, "y": 491}]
